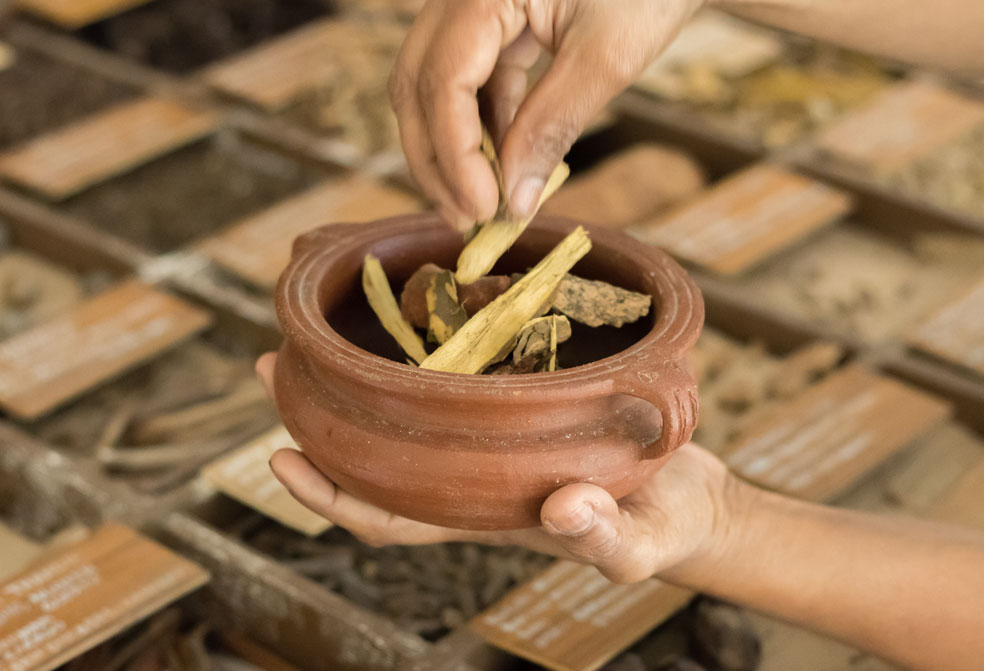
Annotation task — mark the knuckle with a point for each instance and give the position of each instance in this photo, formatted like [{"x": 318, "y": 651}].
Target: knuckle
[
  {"x": 601, "y": 548},
  {"x": 429, "y": 85},
  {"x": 556, "y": 139}
]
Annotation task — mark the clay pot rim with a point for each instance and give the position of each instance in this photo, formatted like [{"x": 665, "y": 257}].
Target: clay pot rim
[{"x": 314, "y": 335}]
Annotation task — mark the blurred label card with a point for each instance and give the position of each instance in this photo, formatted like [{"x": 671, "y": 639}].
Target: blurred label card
[
  {"x": 901, "y": 125},
  {"x": 745, "y": 219},
  {"x": 245, "y": 475},
  {"x": 258, "y": 248},
  {"x": 955, "y": 332},
  {"x": 68, "y": 160},
  {"x": 571, "y": 618},
  {"x": 822, "y": 442},
  {"x": 16, "y": 551},
  {"x": 75, "y": 598},
  {"x": 49, "y": 364},
  {"x": 964, "y": 503},
  {"x": 77, "y": 13}
]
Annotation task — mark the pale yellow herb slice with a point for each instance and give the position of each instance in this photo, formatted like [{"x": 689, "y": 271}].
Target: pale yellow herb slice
[{"x": 384, "y": 304}]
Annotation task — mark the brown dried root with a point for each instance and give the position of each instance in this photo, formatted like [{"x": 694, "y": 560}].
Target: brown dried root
[
  {"x": 473, "y": 297},
  {"x": 445, "y": 314}
]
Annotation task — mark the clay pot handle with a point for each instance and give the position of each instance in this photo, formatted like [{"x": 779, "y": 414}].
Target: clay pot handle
[
  {"x": 321, "y": 237},
  {"x": 672, "y": 389}
]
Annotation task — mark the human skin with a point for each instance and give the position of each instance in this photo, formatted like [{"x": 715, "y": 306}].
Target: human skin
[
  {"x": 460, "y": 49},
  {"x": 907, "y": 590}
]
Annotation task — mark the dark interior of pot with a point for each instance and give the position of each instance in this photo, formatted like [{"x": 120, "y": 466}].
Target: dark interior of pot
[{"x": 349, "y": 314}]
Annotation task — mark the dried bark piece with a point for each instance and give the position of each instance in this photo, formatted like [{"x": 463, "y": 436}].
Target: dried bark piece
[
  {"x": 383, "y": 303},
  {"x": 803, "y": 367},
  {"x": 445, "y": 314},
  {"x": 473, "y": 297},
  {"x": 724, "y": 637},
  {"x": 492, "y": 238},
  {"x": 632, "y": 185},
  {"x": 472, "y": 348},
  {"x": 540, "y": 336},
  {"x": 597, "y": 303}
]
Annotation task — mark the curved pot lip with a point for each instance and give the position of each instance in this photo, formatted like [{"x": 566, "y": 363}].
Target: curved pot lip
[{"x": 296, "y": 299}]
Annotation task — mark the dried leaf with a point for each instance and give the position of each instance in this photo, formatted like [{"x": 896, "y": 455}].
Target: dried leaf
[
  {"x": 445, "y": 314},
  {"x": 483, "y": 336},
  {"x": 383, "y": 303},
  {"x": 595, "y": 303},
  {"x": 492, "y": 238}
]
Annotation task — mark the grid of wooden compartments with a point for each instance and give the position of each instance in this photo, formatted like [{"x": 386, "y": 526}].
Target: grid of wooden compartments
[{"x": 147, "y": 205}]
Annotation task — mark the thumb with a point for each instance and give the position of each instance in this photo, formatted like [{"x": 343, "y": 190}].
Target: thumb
[
  {"x": 587, "y": 523},
  {"x": 576, "y": 87}
]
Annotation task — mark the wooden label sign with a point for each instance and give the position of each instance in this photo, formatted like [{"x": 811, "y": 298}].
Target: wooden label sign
[
  {"x": 820, "y": 443},
  {"x": 274, "y": 74},
  {"x": 258, "y": 248},
  {"x": 245, "y": 475},
  {"x": 53, "y": 362},
  {"x": 73, "y": 599},
  {"x": 745, "y": 219},
  {"x": 70, "y": 159},
  {"x": 903, "y": 124},
  {"x": 73, "y": 14},
  {"x": 955, "y": 333},
  {"x": 964, "y": 503},
  {"x": 571, "y": 618}
]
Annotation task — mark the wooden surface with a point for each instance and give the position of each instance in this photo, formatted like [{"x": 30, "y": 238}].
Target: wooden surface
[
  {"x": 258, "y": 247},
  {"x": 745, "y": 219},
  {"x": 108, "y": 143},
  {"x": 571, "y": 618},
  {"x": 275, "y": 73},
  {"x": 822, "y": 442},
  {"x": 955, "y": 332},
  {"x": 245, "y": 475},
  {"x": 16, "y": 551},
  {"x": 964, "y": 503},
  {"x": 901, "y": 125},
  {"x": 73, "y": 599},
  {"x": 76, "y": 13},
  {"x": 51, "y": 363}
]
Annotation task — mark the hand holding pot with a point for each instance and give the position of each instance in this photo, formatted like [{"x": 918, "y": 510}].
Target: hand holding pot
[{"x": 676, "y": 521}]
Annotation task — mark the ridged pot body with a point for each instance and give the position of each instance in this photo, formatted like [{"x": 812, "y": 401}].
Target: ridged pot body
[{"x": 479, "y": 451}]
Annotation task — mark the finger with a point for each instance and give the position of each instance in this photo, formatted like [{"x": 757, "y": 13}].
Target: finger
[
  {"x": 457, "y": 63},
  {"x": 372, "y": 525},
  {"x": 580, "y": 81},
  {"x": 504, "y": 91},
  {"x": 264, "y": 371},
  {"x": 586, "y": 522}
]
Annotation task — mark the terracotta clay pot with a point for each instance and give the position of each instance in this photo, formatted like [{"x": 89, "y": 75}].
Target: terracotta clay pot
[{"x": 478, "y": 451}]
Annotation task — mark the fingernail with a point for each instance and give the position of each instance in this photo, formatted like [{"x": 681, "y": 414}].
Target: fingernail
[
  {"x": 523, "y": 199},
  {"x": 576, "y": 522}
]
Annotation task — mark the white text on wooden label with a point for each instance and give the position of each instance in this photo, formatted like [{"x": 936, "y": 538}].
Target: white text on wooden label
[
  {"x": 71, "y": 600},
  {"x": 822, "y": 442},
  {"x": 745, "y": 219},
  {"x": 53, "y": 362},
  {"x": 901, "y": 125},
  {"x": 571, "y": 618},
  {"x": 245, "y": 475}
]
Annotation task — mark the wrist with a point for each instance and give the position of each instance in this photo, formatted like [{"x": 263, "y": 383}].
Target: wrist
[{"x": 738, "y": 507}]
